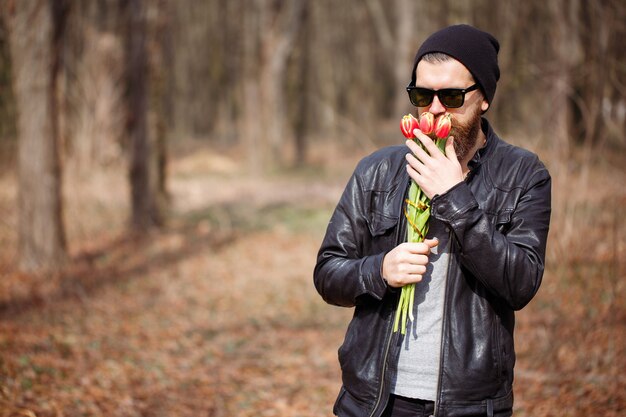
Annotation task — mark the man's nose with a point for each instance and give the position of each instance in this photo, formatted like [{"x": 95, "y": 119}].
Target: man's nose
[{"x": 436, "y": 107}]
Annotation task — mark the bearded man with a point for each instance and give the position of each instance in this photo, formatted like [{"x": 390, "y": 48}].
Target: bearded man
[{"x": 482, "y": 260}]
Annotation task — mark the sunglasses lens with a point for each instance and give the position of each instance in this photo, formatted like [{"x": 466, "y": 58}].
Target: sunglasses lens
[
  {"x": 452, "y": 98},
  {"x": 449, "y": 97},
  {"x": 421, "y": 97}
]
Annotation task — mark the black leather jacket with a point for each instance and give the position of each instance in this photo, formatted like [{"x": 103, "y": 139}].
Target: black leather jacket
[{"x": 498, "y": 219}]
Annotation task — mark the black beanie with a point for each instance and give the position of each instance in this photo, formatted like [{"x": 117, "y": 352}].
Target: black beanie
[{"x": 475, "y": 49}]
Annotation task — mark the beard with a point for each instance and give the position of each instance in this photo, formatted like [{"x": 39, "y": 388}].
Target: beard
[{"x": 465, "y": 135}]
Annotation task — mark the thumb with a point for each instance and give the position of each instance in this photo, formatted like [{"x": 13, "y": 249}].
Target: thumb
[
  {"x": 450, "y": 151},
  {"x": 431, "y": 242}
]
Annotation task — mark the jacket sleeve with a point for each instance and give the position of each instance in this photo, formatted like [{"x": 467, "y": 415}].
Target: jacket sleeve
[
  {"x": 508, "y": 262},
  {"x": 343, "y": 272}
]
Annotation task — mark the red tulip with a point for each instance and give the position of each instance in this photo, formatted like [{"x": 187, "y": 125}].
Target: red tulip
[
  {"x": 407, "y": 125},
  {"x": 443, "y": 125},
  {"x": 427, "y": 122}
]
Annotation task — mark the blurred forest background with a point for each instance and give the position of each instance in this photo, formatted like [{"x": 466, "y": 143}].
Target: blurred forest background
[{"x": 167, "y": 170}]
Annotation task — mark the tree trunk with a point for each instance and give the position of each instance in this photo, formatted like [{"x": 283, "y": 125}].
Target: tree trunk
[
  {"x": 301, "y": 125},
  {"x": 145, "y": 210},
  {"x": 279, "y": 29},
  {"x": 397, "y": 46},
  {"x": 249, "y": 91},
  {"x": 403, "y": 59},
  {"x": 35, "y": 57},
  {"x": 161, "y": 92},
  {"x": 564, "y": 44}
]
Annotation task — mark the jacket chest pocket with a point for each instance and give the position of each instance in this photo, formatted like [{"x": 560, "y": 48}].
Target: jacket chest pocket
[
  {"x": 380, "y": 225},
  {"x": 502, "y": 220},
  {"x": 382, "y": 219}
]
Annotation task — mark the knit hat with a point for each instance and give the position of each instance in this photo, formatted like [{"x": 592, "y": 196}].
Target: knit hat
[{"x": 475, "y": 49}]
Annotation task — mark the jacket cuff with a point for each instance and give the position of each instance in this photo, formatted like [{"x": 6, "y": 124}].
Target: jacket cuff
[
  {"x": 453, "y": 204},
  {"x": 371, "y": 276}
]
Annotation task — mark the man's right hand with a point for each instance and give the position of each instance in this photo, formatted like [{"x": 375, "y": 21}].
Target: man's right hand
[{"x": 406, "y": 263}]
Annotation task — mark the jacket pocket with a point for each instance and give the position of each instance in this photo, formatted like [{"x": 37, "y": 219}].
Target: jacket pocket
[
  {"x": 348, "y": 406},
  {"x": 501, "y": 406},
  {"x": 342, "y": 392},
  {"x": 502, "y": 220},
  {"x": 383, "y": 212},
  {"x": 361, "y": 357},
  {"x": 379, "y": 224}
]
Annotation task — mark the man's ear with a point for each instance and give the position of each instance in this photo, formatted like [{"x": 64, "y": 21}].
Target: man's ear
[{"x": 484, "y": 105}]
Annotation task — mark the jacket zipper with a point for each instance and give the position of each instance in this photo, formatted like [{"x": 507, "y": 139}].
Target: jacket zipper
[
  {"x": 390, "y": 332},
  {"x": 467, "y": 178},
  {"x": 443, "y": 326}
]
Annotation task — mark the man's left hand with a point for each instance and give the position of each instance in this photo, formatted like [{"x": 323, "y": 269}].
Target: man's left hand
[{"x": 434, "y": 172}]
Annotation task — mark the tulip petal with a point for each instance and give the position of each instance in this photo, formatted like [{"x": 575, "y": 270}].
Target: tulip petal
[
  {"x": 443, "y": 126},
  {"x": 426, "y": 122},
  {"x": 408, "y": 123}
]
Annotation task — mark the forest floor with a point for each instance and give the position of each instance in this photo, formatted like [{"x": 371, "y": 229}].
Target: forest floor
[{"x": 216, "y": 313}]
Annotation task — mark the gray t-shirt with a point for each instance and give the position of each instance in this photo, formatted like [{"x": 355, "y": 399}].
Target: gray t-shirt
[{"x": 418, "y": 363}]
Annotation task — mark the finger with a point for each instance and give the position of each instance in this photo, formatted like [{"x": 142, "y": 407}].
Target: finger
[
  {"x": 450, "y": 150},
  {"x": 417, "y": 270},
  {"x": 417, "y": 151},
  {"x": 415, "y": 168},
  {"x": 400, "y": 282},
  {"x": 431, "y": 242},
  {"x": 408, "y": 269},
  {"x": 417, "y": 253},
  {"x": 415, "y": 175},
  {"x": 414, "y": 146},
  {"x": 412, "y": 279},
  {"x": 417, "y": 278},
  {"x": 415, "y": 163},
  {"x": 430, "y": 146},
  {"x": 421, "y": 259}
]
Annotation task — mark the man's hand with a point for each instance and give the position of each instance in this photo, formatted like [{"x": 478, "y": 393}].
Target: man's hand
[
  {"x": 406, "y": 263},
  {"x": 433, "y": 171}
]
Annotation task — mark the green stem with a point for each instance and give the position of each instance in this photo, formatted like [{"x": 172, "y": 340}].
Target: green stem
[{"x": 419, "y": 218}]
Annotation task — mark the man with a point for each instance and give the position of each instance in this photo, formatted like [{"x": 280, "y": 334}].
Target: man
[{"x": 482, "y": 260}]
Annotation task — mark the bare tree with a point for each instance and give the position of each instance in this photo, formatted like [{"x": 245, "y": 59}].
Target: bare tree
[
  {"x": 92, "y": 82},
  {"x": 35, "y": 32},
  {"x": 143, "y": 174},
  {"x": 304, "y": 85},
  {"x": 279, "y": 25},
  {"x": 161, "y": 69},
  {"x": 599, "y": 28},
  {"x": 396, "y": 44}
]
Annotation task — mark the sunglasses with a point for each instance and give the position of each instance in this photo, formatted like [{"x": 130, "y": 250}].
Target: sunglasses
[{"x": 449, "y": 97}]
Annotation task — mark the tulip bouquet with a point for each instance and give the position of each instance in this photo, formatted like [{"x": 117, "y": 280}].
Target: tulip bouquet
[{"x": 417, "y": 209}]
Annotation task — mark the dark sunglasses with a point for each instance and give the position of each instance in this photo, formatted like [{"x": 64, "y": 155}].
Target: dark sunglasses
[{"x": 449, "y": 97}]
